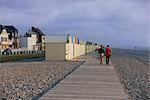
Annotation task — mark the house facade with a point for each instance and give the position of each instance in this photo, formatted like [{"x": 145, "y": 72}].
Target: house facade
[
  {"x": 40, "y": 38},
  {"x": 9, "y": 37},
  {"x": 34, "y": 39},
  {"x": 28, "y": 42},
  {"x": 4, "y": 40}
]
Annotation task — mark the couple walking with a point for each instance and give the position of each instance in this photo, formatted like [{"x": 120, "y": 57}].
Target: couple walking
[{"x": 103, "y": 53}]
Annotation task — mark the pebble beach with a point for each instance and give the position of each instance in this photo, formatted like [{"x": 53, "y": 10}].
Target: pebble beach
[
  {"x": 134, "y": 75},
  {"x": 26, "y": 80},
  {"x": 29, "y": 80}
]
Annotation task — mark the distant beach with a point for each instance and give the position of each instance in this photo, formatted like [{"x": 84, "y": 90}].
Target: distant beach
[
  {"x": 141, "y": 55},
  {"x": 132, "y": 67}
]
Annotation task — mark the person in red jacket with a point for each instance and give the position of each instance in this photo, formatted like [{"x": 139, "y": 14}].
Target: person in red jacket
[{"x": 108, "y": 54}]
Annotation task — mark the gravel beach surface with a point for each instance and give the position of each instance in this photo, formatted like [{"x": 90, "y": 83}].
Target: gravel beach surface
[
  {"x": 25, "y": 80},
  {"x": 134, "y": 75}
]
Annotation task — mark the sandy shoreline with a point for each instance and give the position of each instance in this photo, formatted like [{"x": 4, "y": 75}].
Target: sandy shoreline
[
  {"x": 134, "y": 76},
  {"x": 27, "y": 79}
]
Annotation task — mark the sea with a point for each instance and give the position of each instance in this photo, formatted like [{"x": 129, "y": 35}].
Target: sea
[{"x": 142, "y": 55}]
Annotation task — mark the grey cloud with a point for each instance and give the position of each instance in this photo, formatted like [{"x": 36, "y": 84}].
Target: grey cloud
[{"x": 103, "y": 21}]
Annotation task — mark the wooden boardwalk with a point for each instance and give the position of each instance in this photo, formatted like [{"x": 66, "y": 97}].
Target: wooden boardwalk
[{"x": 91, "y": 81}]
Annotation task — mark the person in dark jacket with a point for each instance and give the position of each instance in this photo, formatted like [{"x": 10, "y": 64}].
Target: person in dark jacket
[
  {"x": 101, "y": 52},
  {"x": 108, "y": 54}
]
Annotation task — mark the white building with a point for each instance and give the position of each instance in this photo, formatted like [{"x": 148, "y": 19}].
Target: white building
[
  {"x": 9, "y": 37},
  {"x": 4, "y": 40},
  {"x": 29, "y": 43},
  {"x": 33, "y": 40}
]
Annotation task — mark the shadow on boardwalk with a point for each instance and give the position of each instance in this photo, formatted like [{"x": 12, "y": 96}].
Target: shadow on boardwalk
[{"x": 91, "y": 81}]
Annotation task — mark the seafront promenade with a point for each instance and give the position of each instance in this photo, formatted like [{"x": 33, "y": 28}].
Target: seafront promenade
[{"x": 91, "y": 81}]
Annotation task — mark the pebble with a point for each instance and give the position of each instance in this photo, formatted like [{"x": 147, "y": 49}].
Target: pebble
[
  {"x": 23, "y": 80},
  {"x": 134, "y": 76}
]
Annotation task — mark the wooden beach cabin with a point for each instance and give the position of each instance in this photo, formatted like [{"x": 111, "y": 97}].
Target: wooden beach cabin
[{"x": 65, "y": 47}]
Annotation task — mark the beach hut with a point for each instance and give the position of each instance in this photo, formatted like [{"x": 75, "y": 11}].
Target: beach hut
[
  {"x": 59, "y": 48},
  {"x": 64, "y": 47},
  {"x": 55, "y": 47}
]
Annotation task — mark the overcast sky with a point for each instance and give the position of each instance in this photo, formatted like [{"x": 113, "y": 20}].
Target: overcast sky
[{"x": 120, "y": 23}]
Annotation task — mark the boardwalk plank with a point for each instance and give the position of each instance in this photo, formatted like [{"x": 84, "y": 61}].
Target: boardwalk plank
[{"x": 91, "y": 81}]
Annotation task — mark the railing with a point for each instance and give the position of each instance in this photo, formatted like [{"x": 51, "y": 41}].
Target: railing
[{"x": 23, "y": 52}]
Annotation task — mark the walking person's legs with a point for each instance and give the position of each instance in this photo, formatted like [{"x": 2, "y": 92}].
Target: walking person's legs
[
  {"x": 101, "y": 59},
  {"x": 107, "y": 59}
]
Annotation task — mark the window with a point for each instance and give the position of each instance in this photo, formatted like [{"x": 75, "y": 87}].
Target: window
[
  {"x": 2, "y": 39},
  {"x": 6, "y": 39}
]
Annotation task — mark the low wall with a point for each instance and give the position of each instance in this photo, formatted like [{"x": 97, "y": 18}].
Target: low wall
[
  {"x": 79, "y": 50},
  {"x": 6, "y": 58},
  {"x": 76, "y": 50},
  {"x": 90, "y": 48},
  {"x": 69, "y": 51}
]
